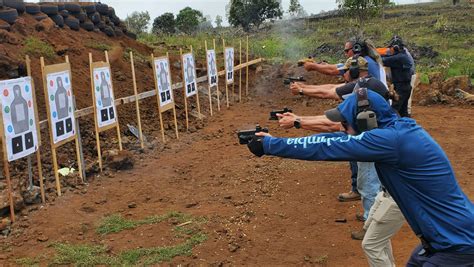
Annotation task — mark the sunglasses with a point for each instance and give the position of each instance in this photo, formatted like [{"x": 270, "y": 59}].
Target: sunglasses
[{"x": 347, "y": 50}]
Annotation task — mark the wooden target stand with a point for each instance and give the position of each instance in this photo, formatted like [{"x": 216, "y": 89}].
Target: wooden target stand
[
  {"x": 225, "y": 75},
  {"x": 98, "y": 130},
  {"x": 45, "y": 70},
  {"x": 137, "y": 102},
  {"x": 169, "y": 106},
  {"x": 6, "y": 164},
  {"x": 184, "y": 89},
  {"x": 217, "y": 77},
  {"x": 247, "y": 69}
]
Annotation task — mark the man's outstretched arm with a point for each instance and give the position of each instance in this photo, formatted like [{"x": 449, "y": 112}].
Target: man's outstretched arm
[
  {"x": 328, "y": 69},
  {"x": 323, "y": 91},
  {"x": 374, "y": 146},
  {"x": 319, "y": 124}
]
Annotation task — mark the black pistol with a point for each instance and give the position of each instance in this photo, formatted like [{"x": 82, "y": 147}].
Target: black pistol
[
  {"x": 273, "y": 114},
  {"x": 246, "y": 135},
  {"x": 290, "y": 80}
]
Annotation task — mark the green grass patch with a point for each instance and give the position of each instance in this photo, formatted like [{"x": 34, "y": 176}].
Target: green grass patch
[
  {"x": 27, "y": 261},
  {"x": 99, "y": 46},
  {"x": 81, "y": 255},
  {"x": 92, "y": 255},
  {"x": 33, "y": 46},
  {"x": 116, "y": 223},
  {"x": 137, "y": 56}
]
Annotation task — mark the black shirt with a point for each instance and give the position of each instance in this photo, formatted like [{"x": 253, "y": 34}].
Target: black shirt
[{"x": 368, "y": 82}]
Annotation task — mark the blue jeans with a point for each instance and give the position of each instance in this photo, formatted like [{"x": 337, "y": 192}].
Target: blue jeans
[
  {"x": 353, "y": 165},
  {"x": 439, "y": 259},
  {"x": 368, "y": 185}
]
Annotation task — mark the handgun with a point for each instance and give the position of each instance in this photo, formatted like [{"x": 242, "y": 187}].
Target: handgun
[
  {"x": 273, "y": 114},
  {"x": 246, "y": 135},
  {"x": 290, "y": 80}
]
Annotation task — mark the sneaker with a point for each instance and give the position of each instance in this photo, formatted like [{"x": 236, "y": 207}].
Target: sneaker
[
  {"x": 358, "y": 235},
  {"x": 360, "y": 217},
  {"x": 351, "y": 196}
]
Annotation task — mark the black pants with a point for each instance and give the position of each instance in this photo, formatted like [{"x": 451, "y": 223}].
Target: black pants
[
  {"x": 404, "y": 91},
  {"x": 354, "y": 171}
]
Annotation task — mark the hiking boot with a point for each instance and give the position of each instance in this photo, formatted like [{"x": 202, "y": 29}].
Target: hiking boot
[
  {"x": 360, "y": 217},
  {"x": 358, "y": 235},
  {"x": 351, "y": 196}
]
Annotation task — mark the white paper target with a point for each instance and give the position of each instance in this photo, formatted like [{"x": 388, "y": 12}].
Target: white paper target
[
  {"x": 163, "y": 78},
  {"x": 189, "y": 74},
  {"x": 60, "y": 105},
  {"x": 19, "y": 119},
  {"x": 211, "y": 68},
  {"x": 104, "y": 97},
  {"x": 229, "y": 65}
]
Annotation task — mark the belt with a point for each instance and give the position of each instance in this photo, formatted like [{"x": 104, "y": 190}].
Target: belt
[{"x": 427, "y": 248}]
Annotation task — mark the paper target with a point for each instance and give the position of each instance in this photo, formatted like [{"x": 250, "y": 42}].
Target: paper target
[
  {"x": 19, "y": 119},
  {"x": 60, "y": 105},
  {"x": 229, "y": 65},
  {"x": 104, "y": 97},
  {"x": 211, "y": 68},
  {"x": 189, "y": 74},
  {"x": 163, "y": 78}
]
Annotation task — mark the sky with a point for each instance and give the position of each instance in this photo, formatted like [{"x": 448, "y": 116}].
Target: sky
[{"x": 211, "y": 7}]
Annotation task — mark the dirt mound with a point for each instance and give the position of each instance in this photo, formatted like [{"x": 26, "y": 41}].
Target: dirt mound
[
  {"x": 454, "y": 90},
  {"x": 28, "y": 36}
]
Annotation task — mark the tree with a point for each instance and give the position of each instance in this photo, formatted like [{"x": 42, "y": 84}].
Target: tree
[
  {"x": 249, "y": 13},
  {"x": 188, "y": 20},
  {"x": 164, "y": 24},
  {"x": 137, "y": 22},
  {"x": 296, "y": 9},
  {"x": 206, "y": 24},
  {"x": 361, "y": 10},
  {"x": 218, "y": 21}
]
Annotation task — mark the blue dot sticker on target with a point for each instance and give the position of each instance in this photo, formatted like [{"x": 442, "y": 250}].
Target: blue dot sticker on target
[{"x": 10, "y": 128}]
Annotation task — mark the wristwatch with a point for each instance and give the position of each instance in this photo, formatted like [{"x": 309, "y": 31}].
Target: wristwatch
[
  {"x": 301, "y": 91},
  {"x": 297, "y": 123}
]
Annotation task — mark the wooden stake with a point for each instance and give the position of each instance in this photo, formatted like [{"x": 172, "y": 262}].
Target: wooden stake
[
  {"x": 208, "y": 84},
  {"x": 117, "y": 124},
  {"x": 217, "y": 77},
  {"x": 6, "y": 167},
  {"x": 247, "y": 69},
  {"x": 38, "y": 131},
  {"x": 225, "y": 75},
  {"x": 240, "y": 71},
  {"x": 184, "y": 89},
  {"x": 174, "y": 105},
  {"x": 53, "y": 148},
  {"x": 197, "y": 89},
  {"x": 78, "y": 144},
  {"x": 137, "y": 105},
  {"x": 97, "y": 132}
]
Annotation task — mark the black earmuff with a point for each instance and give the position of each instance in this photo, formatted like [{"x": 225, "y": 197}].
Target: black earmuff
[
  {"x": 354, "y": 68},
  {"x": 357, "y": 48},
  {"x": 366, "y": 119},
  {"x": 396, "y": 43}
]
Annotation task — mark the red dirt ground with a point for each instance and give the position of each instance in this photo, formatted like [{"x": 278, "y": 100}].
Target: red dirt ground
[{"x": 261, "y": 211}]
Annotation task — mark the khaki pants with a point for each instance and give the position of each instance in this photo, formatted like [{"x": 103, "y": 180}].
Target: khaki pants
[
  {"x": 384, "y": 221},
  {"x": 414, "y": 83}
]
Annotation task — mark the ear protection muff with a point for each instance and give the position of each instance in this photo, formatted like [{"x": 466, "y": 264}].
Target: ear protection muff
[
  {"x": 396, "y": 43},
  {"x": 366, "y": 118},
  {"x": 354, "y": 68},
  {"x": 357, "y": 48}
]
